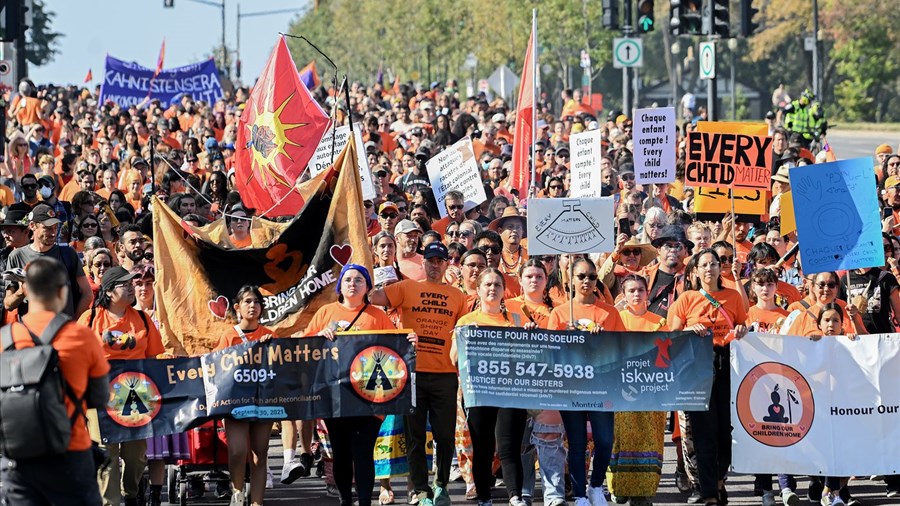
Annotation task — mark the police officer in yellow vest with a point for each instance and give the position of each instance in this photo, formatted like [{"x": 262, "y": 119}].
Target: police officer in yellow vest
[{"x": 805, "y": 118}]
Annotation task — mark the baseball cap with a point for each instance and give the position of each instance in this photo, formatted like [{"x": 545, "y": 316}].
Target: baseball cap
[
  {"x": 892, "y": 182},
  {"x": 115, "y": 275},
  {"x": 499, "y": 118},
  {"x": 406, "y": 226},
  {"x": 388, "y": 205},
  {"x": 436, "y": 249},
  {"x": 43, "y": 214}
]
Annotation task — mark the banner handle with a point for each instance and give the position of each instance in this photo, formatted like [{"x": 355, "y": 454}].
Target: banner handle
[
  {"x": 733, "y": 223},
  {"x": 572, "y": 291}
]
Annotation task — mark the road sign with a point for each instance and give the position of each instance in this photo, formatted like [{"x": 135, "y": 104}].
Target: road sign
[
  {"x": 809, "y": 43},
  {"x": 628, "y": 52},
  {"x": 707, "y": 60}
]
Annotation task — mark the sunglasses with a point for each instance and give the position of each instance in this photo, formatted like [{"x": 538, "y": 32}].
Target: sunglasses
[
  {"x": 627, "y": 177},
  {"x": 148, "y": 255},
  {"x": 673, "y": 246},
  {"x": 455, "y": 207},
  {"x": 493, "y": 249},
  {"x": 102, "y": 264},
  {"x": 462, "y": 233},
  {"x": 726, "y": 260},
  {"x": 29, "y": 186},
  {"x": 631, "y": 252},
  {"x": 555, "y": 187},
  {"x": 563, "y": 155},
  {"x": 831, "y": 284},
  {"x": 389, "y": 216},
  {"x": 88, "y": 225},
  {"x": 369, "y": 204},
  {"x": 582, "y": 277}
]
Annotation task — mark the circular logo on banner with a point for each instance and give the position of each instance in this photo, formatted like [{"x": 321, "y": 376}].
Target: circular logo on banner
[
  {"x": 135, "y": 400},
  {"x": 775, "y": 405},
  {"x": 378, "y": 374}
]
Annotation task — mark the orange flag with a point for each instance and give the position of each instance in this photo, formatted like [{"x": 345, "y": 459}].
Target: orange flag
[
  {"x": 277, "y": 135},
  {"x": 521, "y": 170},
  {"x": 89, "y": 77},
  {"x": 161, "y": 58}
]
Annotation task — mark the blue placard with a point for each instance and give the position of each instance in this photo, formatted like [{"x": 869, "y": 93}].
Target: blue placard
[
  {"x": 836, "y": 206},
  {"x": 127, "y": 83}
]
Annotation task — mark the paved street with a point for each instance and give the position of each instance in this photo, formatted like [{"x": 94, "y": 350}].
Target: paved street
[
  {"x": 858, "y": 143},
  {"x": 740, "y": 488}
]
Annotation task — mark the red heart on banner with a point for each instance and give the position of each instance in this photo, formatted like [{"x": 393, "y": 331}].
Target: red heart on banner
[
  {"x": 218, "y": 307},
  {"x": 341, "y": 254},
  {"x": 752, "y": 425},
  {"x": 803, "y": 428}
]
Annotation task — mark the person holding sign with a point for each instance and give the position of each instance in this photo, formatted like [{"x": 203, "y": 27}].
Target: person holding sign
[
  {"x": 490, "y": 426},
  {"x": 824, "y": 289},
  {"x": 593, "y": 315},
  {"x": 246, "y": 309},
  {"x": 704, "y": 307},
  {"x": 637, "y": 433},
  {"x": 352, "y": 438}
]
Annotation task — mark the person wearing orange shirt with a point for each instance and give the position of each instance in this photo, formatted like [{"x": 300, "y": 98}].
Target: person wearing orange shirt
[
  {"x": 69, "y": 478},
  {"x": 125, "y": 334},
  {"x": 731, "y": 269},
  {"x": 765, "y": 255},
  {"x": 590, "y": 315},
  {"x": 637, "y": 433},
  {"x": 247, "y": 437},
  {"x": 707, "y": 306},
  {"x": 491, "y": 244},
  {"x": 534, "y": 303},
  {"x": 824, "y": 289},
  {"x": 238, "y": 223},
  {"x": 411, "y": 263},
  {"x": 430, "y": 308},
  {"x": 352, "y": 438},
  {"x": 491, "y": 426}
]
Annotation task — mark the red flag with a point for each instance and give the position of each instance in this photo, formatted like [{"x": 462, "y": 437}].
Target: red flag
[
  {"x": 277, "y": 135},
  {"x": 521, "y": 170},
  {"x": 160, "y": 58},
  {"x": 89, "y": 77},
  {"x": 310, "y": 76}
]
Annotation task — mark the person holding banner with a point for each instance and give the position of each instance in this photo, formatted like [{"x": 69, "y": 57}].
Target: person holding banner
[
  {"x": 247, "y": 437},
  {"x": 824, "y": 289},
  {"x": 639, "y": 436},
  {"x": 352, "y": 438},
  {"x": 490, "y": 426},
  {"x": 593, "y": 315},
  {"x": 706, "y": 306}
]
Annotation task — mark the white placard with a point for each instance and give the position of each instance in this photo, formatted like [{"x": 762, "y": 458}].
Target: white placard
[
  {"x": 654, "y": 145},
  {"x": 586, "y": 151},
  {"x": 570, "y": 226},
  {"x": 835, "y": 412},
  {"x": 455, "y": 168},
  {"x": 321, "y": 159}
]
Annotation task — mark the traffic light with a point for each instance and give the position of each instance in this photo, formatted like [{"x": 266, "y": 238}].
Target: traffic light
[
  {"x": 168, "y": 4},
  {"x": 645, "y": 21},
  {"x": 611, "y": 14},
  {"x": 721, "y": 19},
  {"x": 13, "y": 20},
  {"x": 686, "y": 17},
  {"x": 748, "y": 26}
]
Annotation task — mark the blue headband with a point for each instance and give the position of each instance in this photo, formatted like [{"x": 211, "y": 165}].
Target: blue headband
[{"x": 362, "y": 270}]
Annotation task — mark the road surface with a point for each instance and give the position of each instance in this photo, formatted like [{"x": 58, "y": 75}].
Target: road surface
[{"x": 859, "y": 143}]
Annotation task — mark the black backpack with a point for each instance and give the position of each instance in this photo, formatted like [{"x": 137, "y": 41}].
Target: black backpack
[{"x": 33, "y": 418}]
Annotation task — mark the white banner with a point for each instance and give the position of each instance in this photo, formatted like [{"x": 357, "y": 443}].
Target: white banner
[
  {"x": 586, "y": 152},
  {"x": 455, "y": 168},
  {"x": 570, "y": 226},
  {"x": 654, "y": 145},
  {"x": 321, "y": 159},
  {"x": 829, "y": 407}
]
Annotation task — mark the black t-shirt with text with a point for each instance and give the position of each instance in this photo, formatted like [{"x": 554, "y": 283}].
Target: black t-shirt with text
[{"x": 876, "y": 285}]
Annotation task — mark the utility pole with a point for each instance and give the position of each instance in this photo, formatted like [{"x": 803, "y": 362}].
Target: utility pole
[
  {"x": 626, "y": 74},
  {"x": 815, "y": 51}
]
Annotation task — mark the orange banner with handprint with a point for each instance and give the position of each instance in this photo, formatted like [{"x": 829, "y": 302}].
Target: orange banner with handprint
[{"x": 295, "y": 264}]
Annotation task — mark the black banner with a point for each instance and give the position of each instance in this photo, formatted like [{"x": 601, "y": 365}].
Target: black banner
[{"x": 357, "y": 374}]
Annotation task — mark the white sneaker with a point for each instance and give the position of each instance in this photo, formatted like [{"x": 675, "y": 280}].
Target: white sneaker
[
  {"x": 291, "y": 471},
  {"x": 582, "y": 501},
  {"x": 517, "y": 501},
  {"x": 270, "y": 480},
  {"x": 596, "y": 496},
  {"x": 237, "y": 497}
]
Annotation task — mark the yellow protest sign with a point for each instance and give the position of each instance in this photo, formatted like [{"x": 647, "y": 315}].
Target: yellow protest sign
[
  {"x": 733, "y": 127},
  {"x": 788, "y": 220},
  {"x": 718, "y": 200}
]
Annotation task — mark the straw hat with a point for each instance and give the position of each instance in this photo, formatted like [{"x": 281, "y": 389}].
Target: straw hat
[
  {"x": 510, "y": 212},
  {"x": 648, "y": 252}
]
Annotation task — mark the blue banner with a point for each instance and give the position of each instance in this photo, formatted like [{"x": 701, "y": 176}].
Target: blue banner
[
  {"x": 579, "y": 371},
  {"x": 127, "y": 83}
]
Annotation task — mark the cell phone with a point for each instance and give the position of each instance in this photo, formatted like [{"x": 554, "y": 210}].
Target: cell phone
[
  {"x": 887, "y": 211},
  {"x": 625, "y": 226}
]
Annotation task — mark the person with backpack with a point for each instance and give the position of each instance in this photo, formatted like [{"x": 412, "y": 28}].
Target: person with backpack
[
  {"x": 44, "y": 224},
  {"x": 125, "y": 333},
  {"x": 47, "y": 455}
]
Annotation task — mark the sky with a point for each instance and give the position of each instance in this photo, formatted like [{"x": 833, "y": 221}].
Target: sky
[{"x": 133, "y": 30}]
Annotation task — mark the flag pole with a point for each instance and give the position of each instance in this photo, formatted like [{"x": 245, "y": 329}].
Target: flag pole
[{"x": 534, "y": 98}]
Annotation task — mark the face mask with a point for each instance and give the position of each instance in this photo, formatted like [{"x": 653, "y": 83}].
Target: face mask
[
  {"x": 485, "y": 165},
  {"x": 46, "y": 191}
]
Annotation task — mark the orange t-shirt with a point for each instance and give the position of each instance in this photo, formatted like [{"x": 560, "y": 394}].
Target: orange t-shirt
[
  {"x": 125, "y": 338},
  {"x": 232, "y": 338},
  {"x": 692, "y": 307},
  {"x": 80, "y": 358},
  {"x": 69, "y": 190},
  {"x": 743, "y": 249},
  {"x": 647, "y": 322},
  {"x": 764, "y": 320},
  {"x": 587, "y": 316},
  {"x": 246, "y": 243},
  {"x": 431, "y": 311},
  {"x": 338, "y": 318},
  {"x": 412, "y": 268},
  {"x": 6, "y": 196},
  {"x": 538, "y": 313},
  {"x": 805, "y": 322},
  {"x": 479, "y": 317}
]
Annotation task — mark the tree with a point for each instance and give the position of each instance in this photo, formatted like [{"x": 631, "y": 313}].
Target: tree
[{"x": 44, "y": 44}]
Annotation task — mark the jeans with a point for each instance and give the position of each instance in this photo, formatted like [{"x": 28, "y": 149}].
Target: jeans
[
  {"x": 352, "y": 445},
  {"x": 602, "y": 428},
  {"x": 712, "y": 429},
  {"x": 503, "y": 428},
  {"x": 763, "y": 482},
  {"x": 123, "y": 479},
  {"x": 551, "y": 454},
  {"x": 69, "y": 479},
  {"x": 435, "y": 402}
]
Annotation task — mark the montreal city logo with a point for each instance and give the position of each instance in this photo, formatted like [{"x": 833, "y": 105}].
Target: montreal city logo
[
  {"x": 649, "y": 381},
  {"x": 134, "y": 399},
  {"x": 775, "y": 405},
  {"x": 378, "y": 374}
]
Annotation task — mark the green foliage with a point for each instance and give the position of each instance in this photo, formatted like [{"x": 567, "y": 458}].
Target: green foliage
[{"x": 44, "y": 44}]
